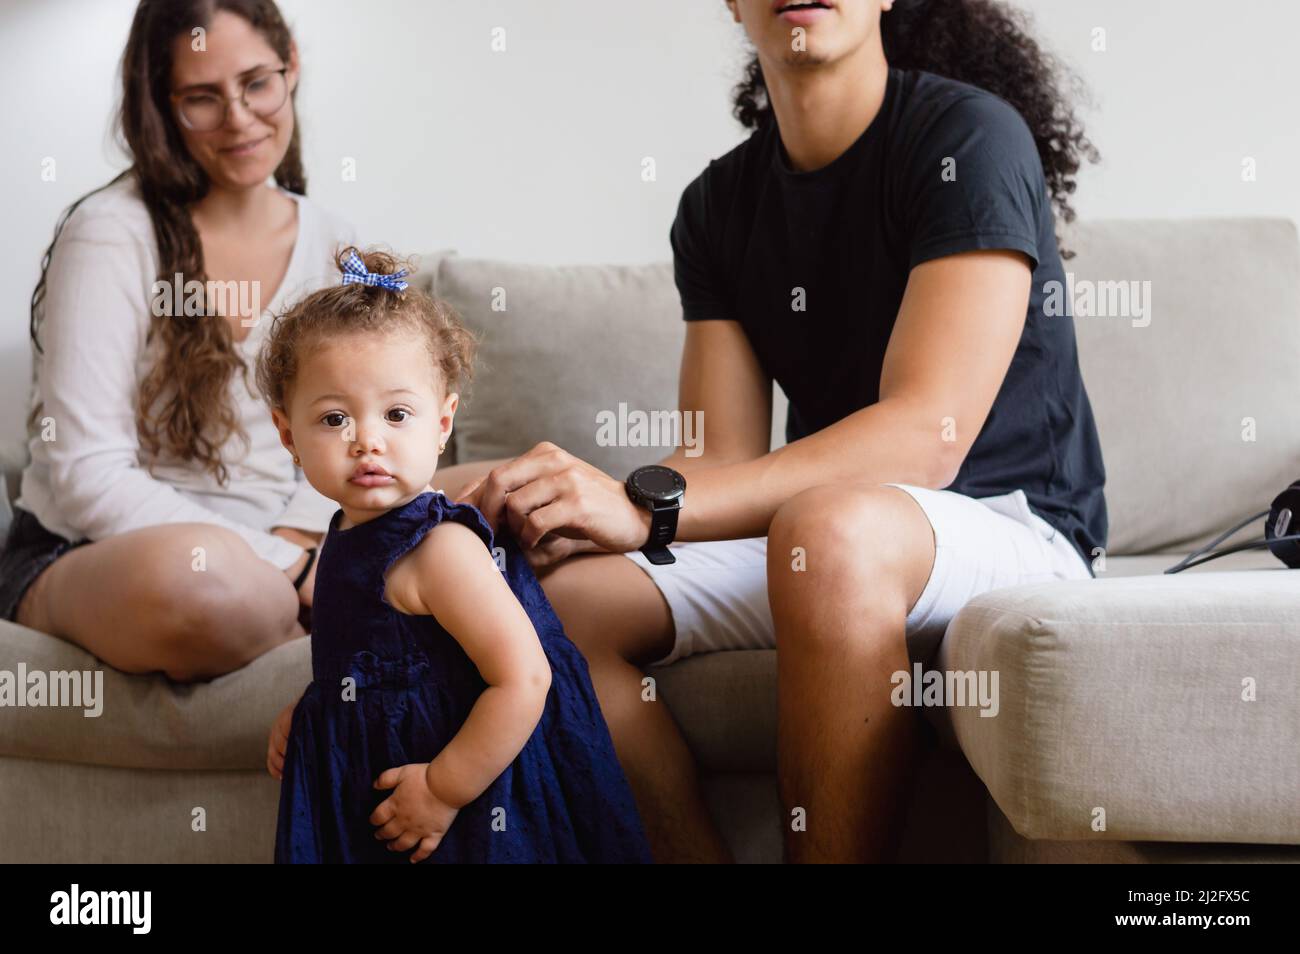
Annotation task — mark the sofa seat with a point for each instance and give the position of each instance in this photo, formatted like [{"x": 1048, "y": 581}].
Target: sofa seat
[{"x": 725, "y": 702}]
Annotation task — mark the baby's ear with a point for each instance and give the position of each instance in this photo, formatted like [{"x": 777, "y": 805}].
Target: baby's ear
[
  {"x": 450, "y": 404},
  {"x": 282, "y": 426}
]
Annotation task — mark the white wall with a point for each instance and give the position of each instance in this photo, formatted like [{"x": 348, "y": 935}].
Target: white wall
[
  {"x": 535, "y": 154},
  {"x": 1185, "y": 90}
]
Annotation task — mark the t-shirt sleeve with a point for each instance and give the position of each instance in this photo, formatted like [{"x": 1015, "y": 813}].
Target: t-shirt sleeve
[
  {"x": 695, "y": 267},
  {"x": 973, "y": 180}
]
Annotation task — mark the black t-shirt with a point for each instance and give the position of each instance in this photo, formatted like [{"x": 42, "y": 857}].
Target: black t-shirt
[{"x": 751, "y": 232}]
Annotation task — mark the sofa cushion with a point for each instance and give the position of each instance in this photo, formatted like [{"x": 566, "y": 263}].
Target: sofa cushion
[
  {"x": 148, "y": 721},
  {"x": 1174, "y": 397},
  {"x": 1131, "y": 695},
  {"x": 561, "y": 345}
]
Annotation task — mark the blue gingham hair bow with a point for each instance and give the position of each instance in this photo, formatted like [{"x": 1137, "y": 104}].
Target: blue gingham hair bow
[{"x": 354, "y": 270}]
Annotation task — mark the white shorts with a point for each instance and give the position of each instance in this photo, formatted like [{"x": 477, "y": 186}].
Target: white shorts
[{"x": 717, "y": 590}]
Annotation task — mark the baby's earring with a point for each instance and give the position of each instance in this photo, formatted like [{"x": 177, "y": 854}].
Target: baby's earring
[
  {"x": 296, "y": 461},
  {"x": 442, "y": 447}
]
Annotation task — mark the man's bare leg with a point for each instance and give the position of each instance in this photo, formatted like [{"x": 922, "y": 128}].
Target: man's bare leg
[
  {"x": 847, "y": 756},
  {"x": 618, "y": 618}
]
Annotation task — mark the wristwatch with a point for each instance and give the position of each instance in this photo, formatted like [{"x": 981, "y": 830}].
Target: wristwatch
[{"x": 660, "y": 490}]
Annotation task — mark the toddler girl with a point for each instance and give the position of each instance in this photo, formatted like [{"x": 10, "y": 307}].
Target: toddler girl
[{"x": 449, "y": 719}]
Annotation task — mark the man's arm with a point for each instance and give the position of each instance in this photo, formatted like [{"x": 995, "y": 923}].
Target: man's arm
[
  {"x": 722, "y": 380},
  {"x": 957, "y": 329}
]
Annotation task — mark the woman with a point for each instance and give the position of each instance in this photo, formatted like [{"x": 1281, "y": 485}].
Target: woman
[
  {"x": 880, "y": 246},
  {"x": 143, "y": 531}
]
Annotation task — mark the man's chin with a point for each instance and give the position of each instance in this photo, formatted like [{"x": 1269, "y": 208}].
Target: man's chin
[
  {"x": 814, "y": 56},
  {"x": 805, "y": 62}
]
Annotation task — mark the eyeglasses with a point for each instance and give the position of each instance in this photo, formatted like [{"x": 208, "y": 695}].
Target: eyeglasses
[{"x": 204, "y": 111}]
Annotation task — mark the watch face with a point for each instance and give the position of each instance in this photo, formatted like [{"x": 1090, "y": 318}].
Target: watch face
[{"x": 658, "y": 483}]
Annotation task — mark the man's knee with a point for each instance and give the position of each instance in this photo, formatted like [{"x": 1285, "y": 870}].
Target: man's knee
[
  {"x": 849, "y": 528},
  {"x": 856, "y": 546},
  {"x": 821, "y": 522}
]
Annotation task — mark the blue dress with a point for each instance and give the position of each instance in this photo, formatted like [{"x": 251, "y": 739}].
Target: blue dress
[{"x": 563, "y": 799}]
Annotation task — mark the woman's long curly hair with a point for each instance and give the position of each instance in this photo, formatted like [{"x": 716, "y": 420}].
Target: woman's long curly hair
[
  {"x": 198, "y": 356},
  {"x": 985, "y": 43}
]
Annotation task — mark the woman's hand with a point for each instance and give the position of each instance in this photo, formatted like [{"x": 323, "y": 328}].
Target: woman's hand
[
  {"x": 413, "y": 816},
  {"x": 556, "y": 504},
  {"x": 279, "y": 741},
  {"x": 303, "y": 539}
]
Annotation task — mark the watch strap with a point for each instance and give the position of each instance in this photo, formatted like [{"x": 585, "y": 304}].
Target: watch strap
[
  {"x": 663, "y": 527},
  {"x": 311, "y": 558}
]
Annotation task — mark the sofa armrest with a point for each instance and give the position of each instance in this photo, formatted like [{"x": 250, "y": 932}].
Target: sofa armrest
[{"x": 1157, "y": 708}]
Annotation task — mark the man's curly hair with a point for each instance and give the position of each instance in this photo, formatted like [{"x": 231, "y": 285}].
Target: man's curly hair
[{"x": 985, "y": 43}]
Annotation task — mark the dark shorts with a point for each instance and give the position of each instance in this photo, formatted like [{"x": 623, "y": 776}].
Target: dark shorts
[{"x": 28, "y": 550}]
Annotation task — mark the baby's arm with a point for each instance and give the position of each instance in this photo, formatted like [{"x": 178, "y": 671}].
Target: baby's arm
[{"x": 458, "y": 583}]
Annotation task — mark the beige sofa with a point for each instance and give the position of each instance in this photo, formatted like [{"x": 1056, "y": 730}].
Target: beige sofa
[{"x": 1143, "y": 717}]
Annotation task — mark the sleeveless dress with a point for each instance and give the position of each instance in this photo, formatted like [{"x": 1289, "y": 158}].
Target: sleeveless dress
[{"x": 563, "y": 799}]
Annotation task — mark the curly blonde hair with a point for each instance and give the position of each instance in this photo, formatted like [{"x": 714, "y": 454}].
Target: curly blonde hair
[{"x": 363, "y": 309}]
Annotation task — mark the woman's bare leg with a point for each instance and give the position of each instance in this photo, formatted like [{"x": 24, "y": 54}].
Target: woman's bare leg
[
  {"x": 618, "y": 618},
  {"x": 147, "y": 600}
]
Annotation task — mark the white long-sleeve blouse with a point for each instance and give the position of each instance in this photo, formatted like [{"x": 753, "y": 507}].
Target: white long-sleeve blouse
[{"x": 89, "y": 480}]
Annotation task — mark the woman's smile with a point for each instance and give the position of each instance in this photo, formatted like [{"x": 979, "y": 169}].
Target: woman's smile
[{"x": 244, "y": 149}]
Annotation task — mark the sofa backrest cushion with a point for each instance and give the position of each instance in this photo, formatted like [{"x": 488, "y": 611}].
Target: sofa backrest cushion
[
  {"x": 1195, "y": 400},
  {"x": 561, "y": 348}
]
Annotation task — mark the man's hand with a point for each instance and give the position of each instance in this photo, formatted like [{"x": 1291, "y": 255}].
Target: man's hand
[{"x": 556, "y": 505}]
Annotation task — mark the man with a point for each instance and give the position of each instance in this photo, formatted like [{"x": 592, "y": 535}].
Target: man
[{"x": 879, "y": 246}]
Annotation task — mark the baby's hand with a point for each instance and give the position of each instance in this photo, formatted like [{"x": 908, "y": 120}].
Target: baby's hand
[
  {"x": 279, "y": 741},
  {"x": 412, "y": 815}
]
